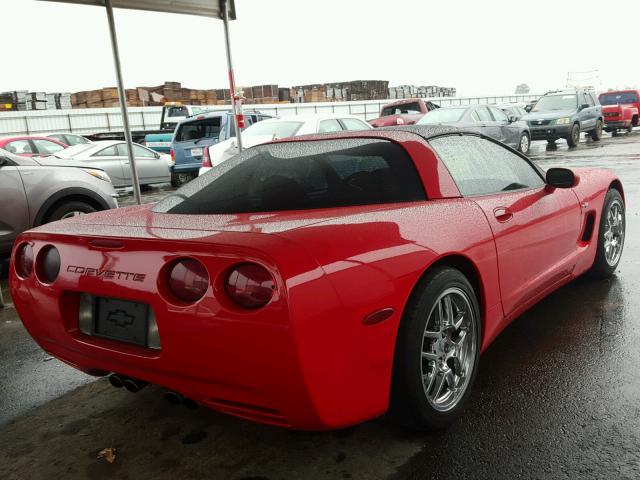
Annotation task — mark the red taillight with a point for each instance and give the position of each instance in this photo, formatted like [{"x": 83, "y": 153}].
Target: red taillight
[
  {"x": 48, "y": 264},
  {"x": 173, "y": 155},
  {"x": 24, "y": 260},
  {"x": 188, "y": 280},
  {"x": 240, "y": 119},
  {"x": 206, "y": 159},
  {"x": 249, "y": 285}
]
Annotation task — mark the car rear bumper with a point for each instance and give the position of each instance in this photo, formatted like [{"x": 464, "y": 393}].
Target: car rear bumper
[
  {"x": 311, "y": 367},
  {"x": 615, "y": 124},
  {"x": 545, "y": 132}
]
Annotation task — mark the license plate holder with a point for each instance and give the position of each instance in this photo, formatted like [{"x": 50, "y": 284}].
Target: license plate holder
[
  {"x": 121, "y": 320},
  {"x": 196, "y": 152}
]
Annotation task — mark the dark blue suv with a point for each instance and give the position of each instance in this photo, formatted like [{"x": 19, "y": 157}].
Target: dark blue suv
[{"x": 195, "y": 133}]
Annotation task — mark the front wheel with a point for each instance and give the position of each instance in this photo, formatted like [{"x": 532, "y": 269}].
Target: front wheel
[
  {"x": 596, "y": 133},
  {"x": 437, "y": 351},
  {"x": 610, "y": 235},
  {"x": 68, "y": 210},
  {"x": 574, "y": 137},
  {"x": 525, "y": 143}
]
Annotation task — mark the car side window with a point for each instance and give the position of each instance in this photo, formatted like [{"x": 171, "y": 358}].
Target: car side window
[
  {"x": 327, "y": 126},
  {"x": 484, "y": 114},
  {"x": 499, "y": 115},
  {"x": 481, "y": 167},
  {"x": 60, "y": 137},
  {"x": 589, "y": 99},
  {"x": 19, "y": 146},
  {"x": 475, "y": 116},
  {"x": 140, "y": 152},
  {"x": 107, "y": 152},
  {"x": 353, "y": 124},
  {"x": 46, "y": 147}
]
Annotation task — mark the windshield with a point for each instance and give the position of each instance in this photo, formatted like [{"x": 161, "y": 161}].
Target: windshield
[
  {"x": 301, "y": 176},
  {"x": 276, "y": 129},
  {"x": 197, "y": 129},
  {"x": 402, "y": 108},
  {"x": 74, "y": 150},
  {"x": 552, "y": 103},
  {"x": 618, "y": 98},
  {"x": 442, "y": 115}
]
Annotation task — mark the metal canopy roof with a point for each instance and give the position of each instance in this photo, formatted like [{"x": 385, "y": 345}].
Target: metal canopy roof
[{"x": 204, "y": 8}]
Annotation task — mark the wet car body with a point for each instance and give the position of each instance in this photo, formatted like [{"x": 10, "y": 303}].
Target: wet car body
[{"x": 320, "y": 353}]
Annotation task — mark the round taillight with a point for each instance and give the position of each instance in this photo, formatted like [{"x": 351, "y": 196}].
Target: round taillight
[
  {"x": 188, "y": 280},
  {"x": 24, "y": 260},
  {"x": 249, "y": 285},
  {"x": 48, "y": 264}
]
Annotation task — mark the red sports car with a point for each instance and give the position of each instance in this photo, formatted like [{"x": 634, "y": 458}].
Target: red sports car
[
  {"x": 29, "y": 146},
  {"x": 318, "y": 282}
]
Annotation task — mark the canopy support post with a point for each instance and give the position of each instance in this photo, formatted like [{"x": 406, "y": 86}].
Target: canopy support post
[
  {"x": 235, "y": 100},
  {"x": 123, "y": 101}
]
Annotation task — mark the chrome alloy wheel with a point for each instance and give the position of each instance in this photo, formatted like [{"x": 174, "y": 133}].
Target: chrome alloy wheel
[
  {"x": 448, "y": 349},
  {"x": 614, "y": 233},
  {"x": 75, "y": 213},
  {"x": 524, "y": 144}
]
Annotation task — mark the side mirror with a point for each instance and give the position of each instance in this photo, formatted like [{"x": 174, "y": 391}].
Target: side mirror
[
  {"x": 583, "y": 106},
  {"x": 4, "y": 161},
  {"x": 560, "y": 178},
  {"x": 513, "y": 118},
  {"x": 528, "y": 108}
]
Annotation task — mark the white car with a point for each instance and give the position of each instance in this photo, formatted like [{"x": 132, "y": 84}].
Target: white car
[
  {"x": 112, "y": 157},
  {"x": 272, "y": 129}
]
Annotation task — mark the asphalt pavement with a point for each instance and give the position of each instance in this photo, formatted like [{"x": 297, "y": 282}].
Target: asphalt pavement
[{"x": 557, "y": 396}]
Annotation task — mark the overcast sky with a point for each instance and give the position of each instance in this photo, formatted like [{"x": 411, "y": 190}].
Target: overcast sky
[{"x": 479, "y": 47}]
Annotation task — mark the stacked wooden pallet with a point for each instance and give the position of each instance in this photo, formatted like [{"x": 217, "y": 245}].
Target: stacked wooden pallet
[{"x": 341, "y": 91}]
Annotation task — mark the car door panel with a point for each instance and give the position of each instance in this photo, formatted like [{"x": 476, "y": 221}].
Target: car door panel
[
  {"x": 536, "y": 234},
  {"x": 150, "y": 169},
  {"x": 14, "y": 218},
  {"x": 109, "y": 161},
  {"x": 536, "y": 228}
]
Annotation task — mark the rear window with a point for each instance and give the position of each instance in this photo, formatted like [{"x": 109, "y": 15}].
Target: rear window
[
  {"x": 618, "y": 98},
  {"x": 194, "y": 130},
  {"x": 406, "y": 108},
  {"x": 301, "y": 176}
]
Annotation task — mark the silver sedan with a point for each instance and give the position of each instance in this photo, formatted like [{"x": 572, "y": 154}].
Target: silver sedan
[
  {"x": 486, "y": 119},
  {"x": 112, "y": 157}
]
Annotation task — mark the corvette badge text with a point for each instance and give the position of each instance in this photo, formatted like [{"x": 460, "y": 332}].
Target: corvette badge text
[{"x": 107, "y": 274}]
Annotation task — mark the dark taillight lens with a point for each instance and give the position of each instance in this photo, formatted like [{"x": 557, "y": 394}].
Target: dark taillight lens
[
  {"x": 24, "y": 260},
  {"x": 249, "y": 285},
  {"x": 48, "y": 264},
  {"x": 188, "y": 280}
]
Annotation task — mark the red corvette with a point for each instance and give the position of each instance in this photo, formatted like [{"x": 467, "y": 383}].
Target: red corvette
[{"x": 319, "y": 282}]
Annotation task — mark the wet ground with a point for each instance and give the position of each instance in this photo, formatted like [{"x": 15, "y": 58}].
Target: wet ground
[{"x": 557, "y": 396}]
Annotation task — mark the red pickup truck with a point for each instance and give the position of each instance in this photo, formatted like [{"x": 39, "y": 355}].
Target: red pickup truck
[
  {"x": 403, "y": 112},
  {"x": 620, "y": 110}
]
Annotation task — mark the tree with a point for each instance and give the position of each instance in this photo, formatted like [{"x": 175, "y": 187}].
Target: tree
[{"x": 522, "y": 89}]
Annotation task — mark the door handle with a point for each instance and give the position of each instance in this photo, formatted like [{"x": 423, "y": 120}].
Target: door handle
[{"x": 503, "y": 214}]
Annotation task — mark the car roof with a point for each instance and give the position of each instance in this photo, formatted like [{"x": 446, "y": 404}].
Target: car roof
[{"x": 311, "y": 117}]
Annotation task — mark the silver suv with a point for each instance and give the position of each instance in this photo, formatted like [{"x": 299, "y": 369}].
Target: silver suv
[{"x": 34, "y": 191}]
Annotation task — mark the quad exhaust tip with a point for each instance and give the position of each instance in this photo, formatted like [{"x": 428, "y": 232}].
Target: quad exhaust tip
[
  {"x": 132, "y": 384},
  {"x": 175, "y": 398}
]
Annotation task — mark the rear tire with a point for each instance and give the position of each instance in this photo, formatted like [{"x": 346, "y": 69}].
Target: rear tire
[
  {"x": 437, "y": 351},
  {"x": 611, "y": 233},
  {"x": 574, "y": 137},
  {"x": 596, "y": 133},
  {"x": 69, "y": 209}
]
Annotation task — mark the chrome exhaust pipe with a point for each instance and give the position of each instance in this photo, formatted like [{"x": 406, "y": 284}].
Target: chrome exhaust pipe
[
  {"x": 116, "y": 380},
  {"x": 173, "y": 398},
  {"x": 133, "y": 385}
]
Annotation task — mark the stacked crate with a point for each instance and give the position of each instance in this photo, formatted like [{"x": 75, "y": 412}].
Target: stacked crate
[{"x": 414, "y": 91}]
